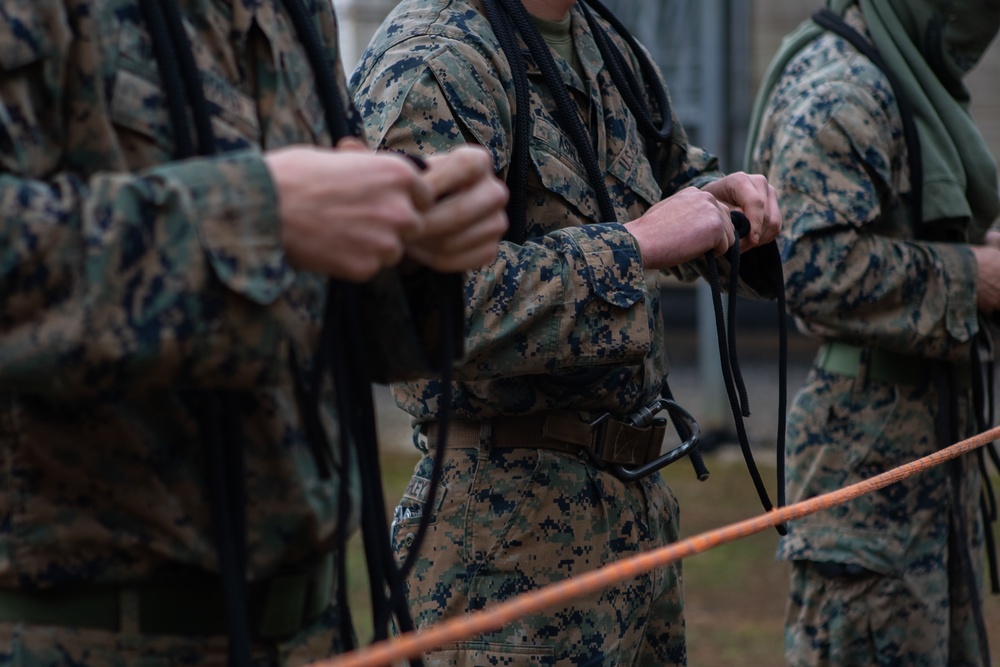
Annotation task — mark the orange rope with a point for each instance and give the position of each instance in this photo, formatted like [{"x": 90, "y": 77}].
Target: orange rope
[{"x": 417, "y": 643}]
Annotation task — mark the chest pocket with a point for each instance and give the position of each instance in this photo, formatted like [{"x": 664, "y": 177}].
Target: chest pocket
[
  {"x": 139, "y": 105},
  {"x": 561, "y": 173},
  {"x": 631, "y": 168}
]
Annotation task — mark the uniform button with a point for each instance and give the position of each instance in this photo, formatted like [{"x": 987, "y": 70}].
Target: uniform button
[{"x": 408, "y": 540}]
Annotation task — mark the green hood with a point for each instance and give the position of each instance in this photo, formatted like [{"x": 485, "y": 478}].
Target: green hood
[{"x": 930, "y": 45}]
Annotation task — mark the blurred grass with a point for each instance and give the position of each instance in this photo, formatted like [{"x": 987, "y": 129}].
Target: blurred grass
[{"x": 735, "y": 594}]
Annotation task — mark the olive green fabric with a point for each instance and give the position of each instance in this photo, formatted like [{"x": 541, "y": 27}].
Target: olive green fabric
[
  {"x": 559, "y": 36},
  {"x": 930, "y": 45}
]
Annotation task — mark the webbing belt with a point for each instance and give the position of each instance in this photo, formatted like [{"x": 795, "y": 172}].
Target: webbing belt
[
  {"x": 192, "y": 605},
  {"x": 883, "y": 366},
  {"x": 609, "y": 441}
]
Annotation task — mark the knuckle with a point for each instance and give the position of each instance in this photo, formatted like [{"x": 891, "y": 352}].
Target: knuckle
[
  {"x": 500, "y": 193},
  {"x": 398, "y": 172}
]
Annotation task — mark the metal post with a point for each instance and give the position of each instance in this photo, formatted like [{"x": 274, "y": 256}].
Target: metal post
[{"x": 716, "y": 417}]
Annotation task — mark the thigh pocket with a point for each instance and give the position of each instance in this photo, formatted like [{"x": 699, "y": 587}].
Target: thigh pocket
[{"x": 499, "y": 503}]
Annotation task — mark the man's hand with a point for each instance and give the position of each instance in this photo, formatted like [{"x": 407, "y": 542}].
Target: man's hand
[
  {"x": 752, "y": 194},
  {"x": 987, "y": 277},
  {"x": 349, "y": 212},
  {"x": 682, "y": 227},
  {"x": 464, "y": 227},
  {"x": 692, "y": 222}
]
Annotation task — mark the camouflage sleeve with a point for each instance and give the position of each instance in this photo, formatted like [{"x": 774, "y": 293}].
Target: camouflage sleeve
[
  {"x": 573, "y": 297},
  {"x": 118, "y": 277},
  {"x": 123, "y": 278},
  {"x": 847, "y": 277}
]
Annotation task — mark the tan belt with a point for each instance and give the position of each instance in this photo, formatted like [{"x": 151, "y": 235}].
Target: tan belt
[{"x": 607, "y": 440}]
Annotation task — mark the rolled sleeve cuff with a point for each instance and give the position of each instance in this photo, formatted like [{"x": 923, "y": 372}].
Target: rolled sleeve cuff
[
  {"x": 960, "y": 266},
  {"x": 232, "y": 201},
  {"x": 610, "y": 257}
]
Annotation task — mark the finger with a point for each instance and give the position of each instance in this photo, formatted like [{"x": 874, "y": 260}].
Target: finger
[
  {"x": 471, "y": 258},
  {"x": 411, "y": 179},
  {"x": 423, "y": 197},
  {"x": 774, "y": 214},
  {"x": 458, "y": 169},
  {"x": 466, "y": 207},
  {"x": 352, "y": 144},
  {"x": 468, "y": 249},
  {"x": 749, "y": 193}
]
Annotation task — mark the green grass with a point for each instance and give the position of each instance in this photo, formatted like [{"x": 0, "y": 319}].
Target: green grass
[{"x": 735, "y": 594}]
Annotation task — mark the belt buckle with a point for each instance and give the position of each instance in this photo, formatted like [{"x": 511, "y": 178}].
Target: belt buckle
[
  {"x": 686, "y": 425},
  {"x": 595, "y": 455}
]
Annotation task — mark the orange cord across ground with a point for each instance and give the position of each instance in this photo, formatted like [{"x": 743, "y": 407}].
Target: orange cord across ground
[{"x": 457, "y": 629}]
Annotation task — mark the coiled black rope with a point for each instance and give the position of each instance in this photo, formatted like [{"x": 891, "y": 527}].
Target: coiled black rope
[
  {"x": 217, "y": 410},
  {"x": 173, "y": 84},
  {"x": 624, "y": 79},
  {"x": 346, "y": 341},
  {"x": 341, "y": 352},
  {"x": 517, "y": 170}
]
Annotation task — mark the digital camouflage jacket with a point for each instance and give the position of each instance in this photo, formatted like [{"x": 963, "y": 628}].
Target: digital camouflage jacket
[
  {"x": 131, "y": 285},
  {"x": 569, "y": 319},
  {"x": 855, "y": 271}
]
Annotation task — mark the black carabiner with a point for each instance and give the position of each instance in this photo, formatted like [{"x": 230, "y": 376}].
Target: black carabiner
[{"x": 646, "y": 416}]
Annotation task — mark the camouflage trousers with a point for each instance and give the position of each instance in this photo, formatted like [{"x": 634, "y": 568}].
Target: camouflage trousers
[
  {"x": 23, "y": 645},
  {"x": 513, "y": 520},
  {"x": 918, "y": 619},
  {"x": 915, "y": 544}
]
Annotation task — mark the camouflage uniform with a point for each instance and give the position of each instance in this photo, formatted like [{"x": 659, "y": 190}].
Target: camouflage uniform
[
  {"x": 131, "y": 285},
  {"x": 568, "y": 320},
  {"x": 870, "y": 579}
]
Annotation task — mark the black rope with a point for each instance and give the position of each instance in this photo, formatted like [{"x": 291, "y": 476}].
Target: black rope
[
  {"x": 566, "y": 111},
  {"x": 341, "y": 350},
  {"x": 173, "y": 85},
  {"x": 625, "y": 82},
  {"x": 228, "y": 499},
  {"x": 520, "y": 161},
  {"x": 958, "y": 538},
  {"x": 983, "y": 399},
  {"x": 342, "y": 335},
  {"x": 191, "y": 78},
  {"x": 437, "y": 470},
  {"x": 508, "y": 19},
  {"x": 217, "y": 410},
  {"x": 731, "y": 374},
  {"x": 335, "y": 113}
]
